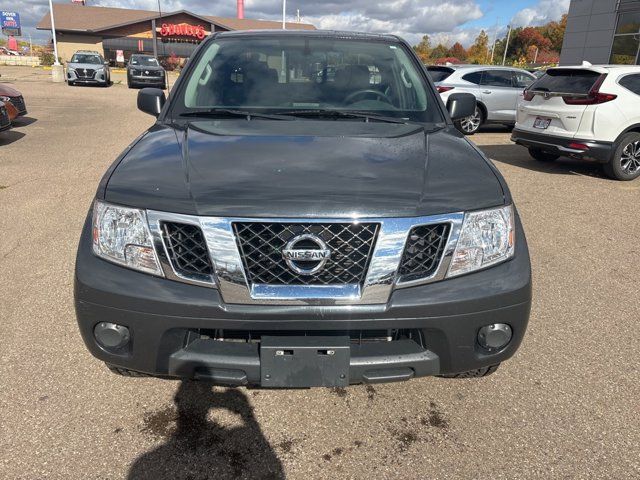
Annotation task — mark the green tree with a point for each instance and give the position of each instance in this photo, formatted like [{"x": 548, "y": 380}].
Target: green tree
[
  {"x": 423, "y": 49},
  {"x": 440, "y": 51},
  {"x": 479, "y": 51},
  {"x": 458, "y": 51},
  {"x": 554, "y": 31}
]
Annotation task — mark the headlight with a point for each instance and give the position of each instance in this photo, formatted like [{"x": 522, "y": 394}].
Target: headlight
[
  {"x": 4, "y": 99},
  {"x": 121, "y": 235},
  {"x": 487, "y": 237}
]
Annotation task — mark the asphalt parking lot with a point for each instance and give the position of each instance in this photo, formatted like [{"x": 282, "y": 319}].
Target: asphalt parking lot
[{"x": 566, "y": 406}]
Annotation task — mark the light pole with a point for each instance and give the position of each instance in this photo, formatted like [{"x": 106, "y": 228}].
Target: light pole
[
  {"x": 284, "y": 14},
  {"x": 57, "y": 70},
  {"x": 506, "y": 47},
  {"x": 53, "y": 33}
]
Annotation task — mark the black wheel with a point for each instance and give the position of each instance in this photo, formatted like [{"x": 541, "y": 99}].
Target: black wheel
[
  {"x": 71, "y": 84},
  {"x": 124, "y": 372},
  {"x": 480, "y": 372},
  {"x": 625, "y": 163},
  {"x": 543, "y": 156},
  {"x": 472, "y": 124}
]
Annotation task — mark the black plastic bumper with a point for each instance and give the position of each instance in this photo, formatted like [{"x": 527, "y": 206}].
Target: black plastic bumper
[
  {"x": 160, "y": 315},
  {"x": 596, "y": 151}
]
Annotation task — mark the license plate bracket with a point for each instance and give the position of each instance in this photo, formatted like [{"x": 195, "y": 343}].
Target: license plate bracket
[
  {"x": 304, "y": 361},
  {"x": 542, "y": 123}
]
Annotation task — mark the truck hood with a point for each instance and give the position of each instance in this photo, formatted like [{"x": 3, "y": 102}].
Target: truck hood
[{"x": 261, "y": 168}]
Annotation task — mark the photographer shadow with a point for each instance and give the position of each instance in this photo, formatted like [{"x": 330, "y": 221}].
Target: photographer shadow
[{"x": 200, "y": 447}]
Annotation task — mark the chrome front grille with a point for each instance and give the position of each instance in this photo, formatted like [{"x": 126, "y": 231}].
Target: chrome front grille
[
  {"x": 18, "y": 102},
  {"x": 187, "y": 249},
  {"x": 85, "y": 73},
  {"x": 243, "y": 257},
  {"x": 423, "y": 251},
  {"x": 261, "y": 245}
]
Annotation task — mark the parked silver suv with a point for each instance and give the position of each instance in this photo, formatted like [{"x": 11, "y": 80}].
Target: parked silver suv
[
  {"x": 497, "y": 90},
  {"x": 88, "y": 67}
]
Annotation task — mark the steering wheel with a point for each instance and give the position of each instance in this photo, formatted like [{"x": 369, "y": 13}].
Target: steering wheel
[{"x": 352, "y": 96}]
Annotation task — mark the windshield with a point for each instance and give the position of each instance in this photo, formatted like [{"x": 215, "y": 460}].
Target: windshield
[
  {"x": 290, "y": 73},
  {"x": 86, "y": 58},
  {"x": 144, "y": 61}
]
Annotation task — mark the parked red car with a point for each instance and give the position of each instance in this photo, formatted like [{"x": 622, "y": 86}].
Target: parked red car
[{"x": 13, "y": 98}]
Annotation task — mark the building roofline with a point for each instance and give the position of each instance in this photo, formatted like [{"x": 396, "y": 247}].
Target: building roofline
[
  {"x": 156, "y": 17},
  {"x": 44, "y": 23}
]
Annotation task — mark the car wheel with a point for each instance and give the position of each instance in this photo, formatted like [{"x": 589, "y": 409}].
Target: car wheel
[
  {"x": 543, "y": 156},
  {"x": 480, "y": 372},
  {"x": 471, "y": 125},
  {"x": 71, "y": 84},
  {"x": 625, "y": 163}
]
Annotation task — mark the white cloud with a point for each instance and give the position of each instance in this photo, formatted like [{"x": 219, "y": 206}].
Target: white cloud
[
  {"x": 408, "y": 18},
  {"x": 543, "y": 12}
]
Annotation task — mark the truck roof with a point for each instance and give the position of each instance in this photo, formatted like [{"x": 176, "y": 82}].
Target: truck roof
[{"x": 311, "y": 33}]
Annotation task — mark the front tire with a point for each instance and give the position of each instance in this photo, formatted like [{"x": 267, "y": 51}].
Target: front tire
[
  {"x": 480, "y": 372},
  {"x": 542, "y": 156},
  {"x": 625, "y": 163},
  {"x": 472, "y": 124}
]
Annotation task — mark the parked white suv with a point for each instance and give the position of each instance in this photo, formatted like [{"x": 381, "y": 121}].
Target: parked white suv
[{"x": 587, "y": 112}]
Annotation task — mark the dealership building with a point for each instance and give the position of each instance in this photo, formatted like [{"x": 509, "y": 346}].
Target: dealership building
[
  {"x": 110, "y": 30},
  {"x": 602, "y": 32}
]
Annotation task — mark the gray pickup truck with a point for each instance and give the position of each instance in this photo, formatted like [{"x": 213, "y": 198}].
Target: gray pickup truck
[{"x": 282, "y": 227}]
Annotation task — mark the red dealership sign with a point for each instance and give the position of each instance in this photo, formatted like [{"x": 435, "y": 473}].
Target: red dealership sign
[{"x": 184, "y": 30}]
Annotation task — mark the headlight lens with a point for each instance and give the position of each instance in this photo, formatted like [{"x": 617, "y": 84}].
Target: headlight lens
[
  {"x": 487, "y": 238},
  {"x": 4, "y": 99},
  {"x": 121, "y": 235}
]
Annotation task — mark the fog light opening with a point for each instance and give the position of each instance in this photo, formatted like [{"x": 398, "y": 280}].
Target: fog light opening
[
  {"x": 494, "y": 336},
  {"x": 111, "y": 335}
]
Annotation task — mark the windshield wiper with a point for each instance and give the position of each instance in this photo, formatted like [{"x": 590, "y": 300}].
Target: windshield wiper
[
  {"x": 322, "y": 113},
  {"x": 230, "y": 113}
]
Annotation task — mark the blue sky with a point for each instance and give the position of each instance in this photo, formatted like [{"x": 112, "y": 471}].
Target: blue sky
[{"x": 445, "y": 21}]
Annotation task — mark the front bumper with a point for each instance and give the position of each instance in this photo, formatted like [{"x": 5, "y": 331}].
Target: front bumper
[
  {"x": 597, "y": 151},
  {"x": 145, "y": 80},
  {"x": 165, "y": 319},
  {"x": 100, "y": 77}
]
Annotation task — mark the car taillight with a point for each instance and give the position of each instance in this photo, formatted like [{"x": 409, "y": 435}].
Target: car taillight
[
  {"x": 594, "y": 97},
  {"x": 442, "y": 89},
  {"x": 528, "y": 96}
]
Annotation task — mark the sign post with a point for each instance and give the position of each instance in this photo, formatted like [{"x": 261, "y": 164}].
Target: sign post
[{"x": 57, "y": 70}]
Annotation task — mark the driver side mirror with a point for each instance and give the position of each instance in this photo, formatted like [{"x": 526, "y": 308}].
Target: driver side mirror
[
  {"x": 151, "y": 101},
  {"x": 461, "y": 105}
]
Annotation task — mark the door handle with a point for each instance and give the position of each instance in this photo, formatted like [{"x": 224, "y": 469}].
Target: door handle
[{"x": 487, "y": 92}]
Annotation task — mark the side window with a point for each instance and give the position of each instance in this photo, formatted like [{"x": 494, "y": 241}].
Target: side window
[
  {"x": 522, "y": 80},
  {"x": 631, "y": 82},
  {"x": 497, "y": 78},
  {"x": 473, "y": 77}
]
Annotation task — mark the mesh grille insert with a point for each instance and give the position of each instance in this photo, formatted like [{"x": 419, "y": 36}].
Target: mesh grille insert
[
  {"x": 261, "y": 244},
  {"x": 187, "y": 249},
  {"x": 423, "y": 251},
  {"x": 18, "y": 102}
]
